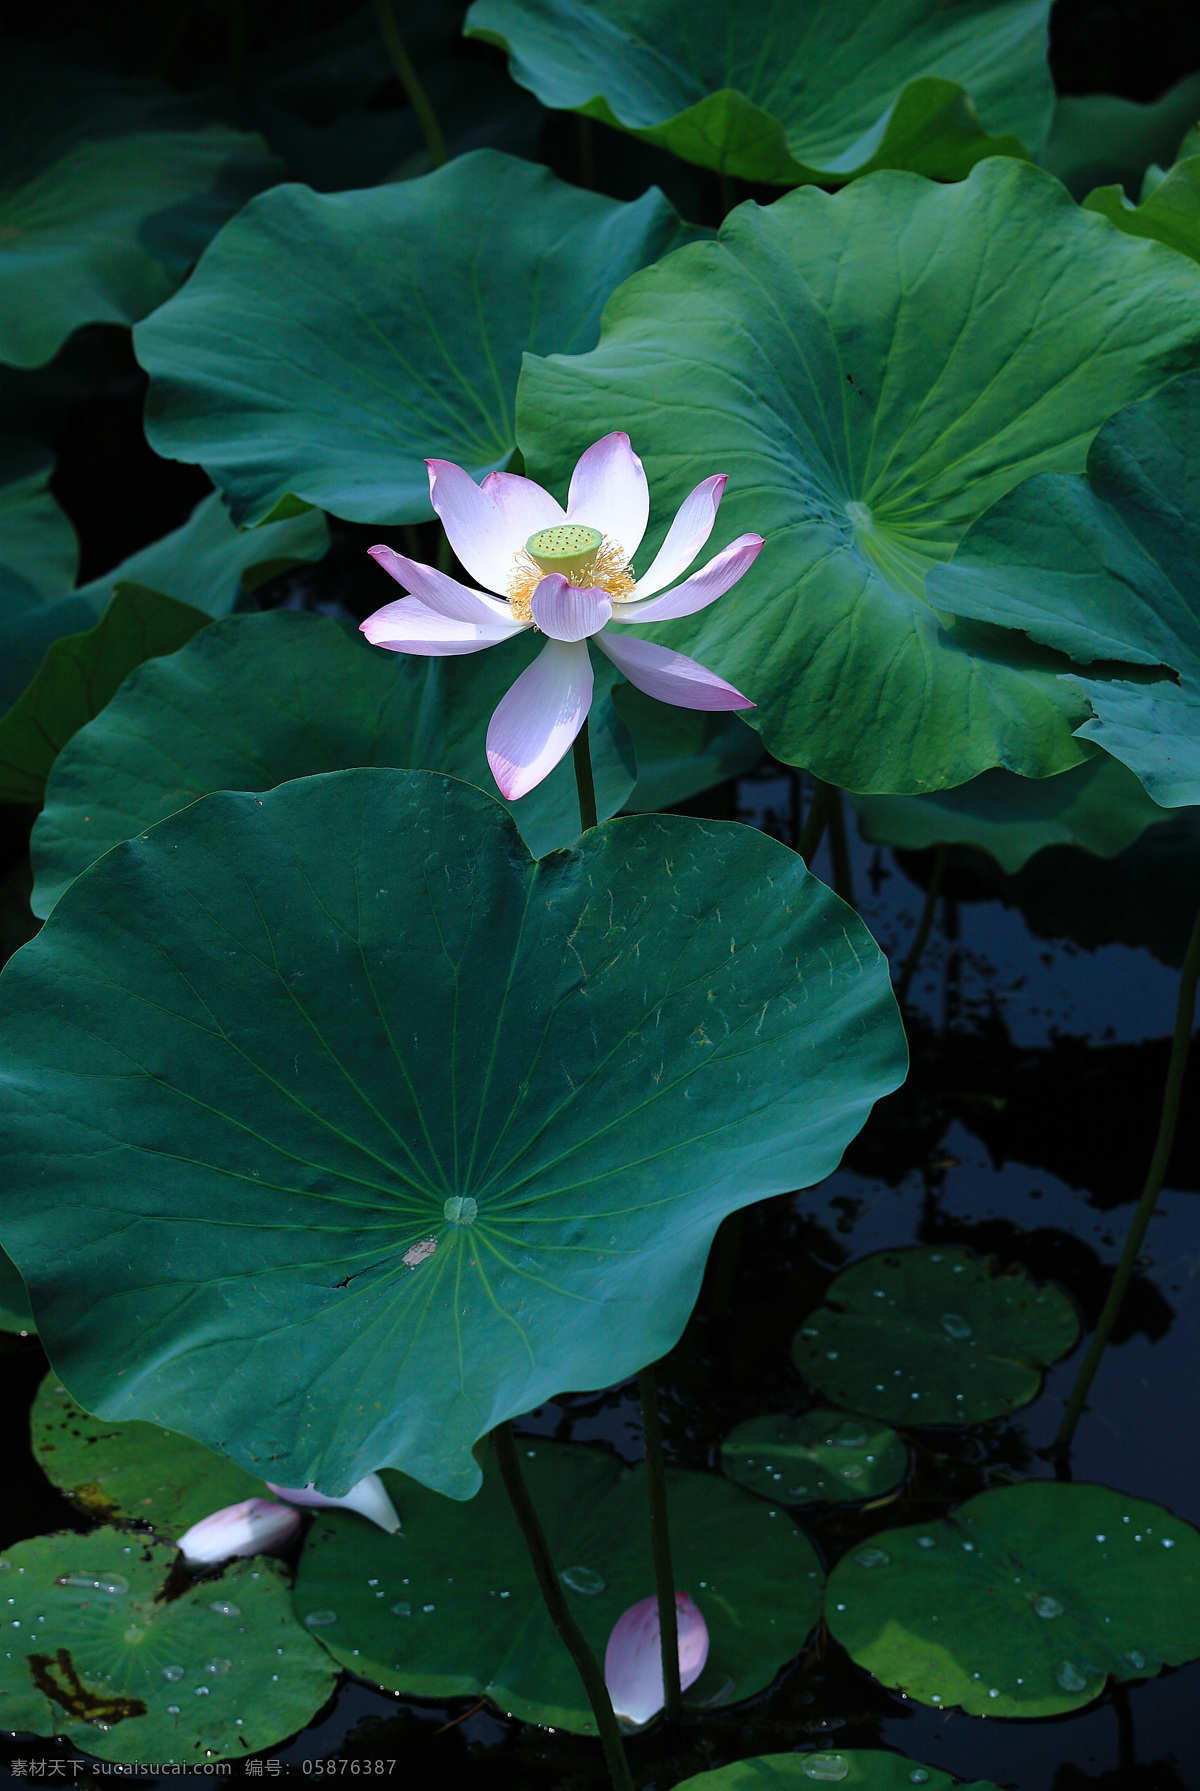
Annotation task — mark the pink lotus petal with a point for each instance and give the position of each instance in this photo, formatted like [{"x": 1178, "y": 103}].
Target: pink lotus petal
[
  {"x": 255, "y": 1527},
  {"x": 537, "y": 720},
  {"x": 567, "y": 612},
  {"x": 478, "y": 530},
  {"x": 609, "y": 492},
  {"x": 524, "y": 506},
  {"x": 671, "y": 677},
  {"x": 686, "y": 536},
  {"x": 369, "y": 1498},
  {"x": 633, "y": 1658},
  {"x": 698, "y": 591},
  {"x": 438, "y": 591},
  {"x": 407, "y": 626}
]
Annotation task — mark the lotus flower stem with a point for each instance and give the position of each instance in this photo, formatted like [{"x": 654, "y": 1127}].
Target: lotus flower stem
[
  {"x": 843, "y": 882},
  {"x": 815, "y": 822},
  {"x": 921, "y": 936},
  {"x": 560, "y": 1612},
  {"x": 410, "y": 81},
  {"x": 584, "y": 782},
  {"x": 1172, "y": 1091},
  {"x": 660, "y": 1543}
]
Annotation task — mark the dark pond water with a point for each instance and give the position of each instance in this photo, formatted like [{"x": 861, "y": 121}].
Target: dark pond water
[{"x": 1023, "y": 1133}]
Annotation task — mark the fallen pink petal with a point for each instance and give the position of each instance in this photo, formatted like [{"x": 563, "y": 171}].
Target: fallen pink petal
[
  {"x": 368, "y": 1497},
  {"x": 567, "y": 574},
  {"x": 633, "y": 1658},
  {"x": 255, "y": 1527}
]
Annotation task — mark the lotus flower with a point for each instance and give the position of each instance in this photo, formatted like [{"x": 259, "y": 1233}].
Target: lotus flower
[
  {"x": 255, "y": 1527},
  {"x": 369, "y": 1498},
  {"x": 633, "y": 1658},
  {"x": 568, "y": 575}
]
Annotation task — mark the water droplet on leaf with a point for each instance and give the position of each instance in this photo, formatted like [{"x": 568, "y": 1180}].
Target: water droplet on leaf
[{"x": 583, "y": 1579}]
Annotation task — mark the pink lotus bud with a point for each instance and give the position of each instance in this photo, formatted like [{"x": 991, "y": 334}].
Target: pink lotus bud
[
  {"x": 633, "y": 1658},
  {"x": 369, "y": 1498},
  {"x": 255, "y": 1527}
]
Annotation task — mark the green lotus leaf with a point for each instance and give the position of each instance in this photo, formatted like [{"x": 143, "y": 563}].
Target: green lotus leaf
[
  {"x": 260, "y": 699},
  {"x": 449, "y": 1606},
  {"x": 1025, "y": 1602},
  {"x": 79, "y": 675},
  {"x": 354, "y": 1011},
  {"x": 1099, "y": 806},
  {"x": 1097, "y": 139},
  {"x": 105, "y": 201},
  {"x": 216, "y": 1673},
  {"x": 205, "y": 565},
  {"x": 1169, "y": 212},
  {"x": 1105, "y": 566},
  {"x": 16, "y": 1314},
  {"x": 38, "y": 549},
  {"x": 819, "y": 1456},
  {"x": 845, "y": 360},
  {"x": 926, "y": 1336},
  {"x": 133, "y": 1470},
  {"x": 789, "y": 91},
  {"x": 1147, "y": 896},
  {"x": 327, "y": 343},
  {"x": 867, "y": 1769}
]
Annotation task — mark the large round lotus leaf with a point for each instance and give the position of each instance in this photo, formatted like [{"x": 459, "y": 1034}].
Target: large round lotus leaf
[
  {"x": 819, "y": 1456},
  {"x": 790, "y": 90},
  {"x": 858, "y": 1768},
  {"x": 449, "y": 1606},
  {"x": 93, "y": 1652},
  {"x": 104, "y": 210},
  {"x": 38, "y": 549},
  {"x": 397, "y": 1124},
  {"x": 1024, "y": 1602},
  {"x": 260, "y": 699},
  {"x": 927, "y": 1336},
  {"x": 848, "y": 361},
  {"x": 1099, "y": 805},
  {"x": 131, "y": 1470},
  {"x": 1105, "y": 565},
  {"x": 327, "y": 343},
  {"x": 15, "y": 1311}
]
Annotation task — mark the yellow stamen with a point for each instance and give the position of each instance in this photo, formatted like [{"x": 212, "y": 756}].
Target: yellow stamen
[{"x": 607, "y": 570}]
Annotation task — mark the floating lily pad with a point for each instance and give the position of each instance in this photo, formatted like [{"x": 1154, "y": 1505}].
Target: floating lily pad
[
  {"x": 819, "y": 1456},
  {"x": 1105, "y": 566},
  {"x": 105, "y": 205},
  {"x": 132, "y": 1470},
  {"x": 327, "y": 344},
  {"x": 804, "y": 90},
  {"x": 79, "y": 675},
  {"x": 1025, "y": 1602},
  {"x": 93, "y": 1654},
  {"x": 868, "y": 1768},
  {"x": 1099, "y": 805},
  {"x": 260, "y": 699},
  {"x": 352, "y": 1011},
  {"x": 927, "y": 1336},
  {"x": 449, "y": 1607},
  {"x": 845, "y": 360},
  {"x": 16, "y": 1314}
]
